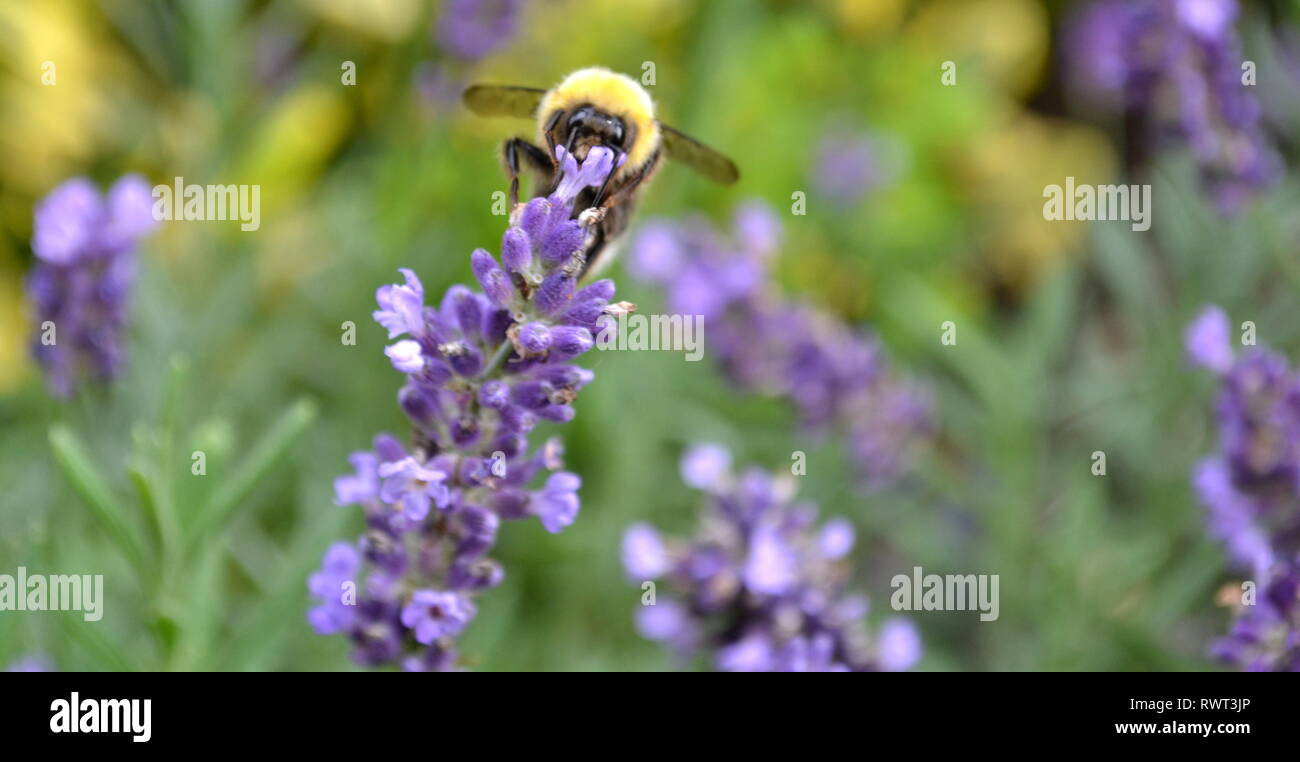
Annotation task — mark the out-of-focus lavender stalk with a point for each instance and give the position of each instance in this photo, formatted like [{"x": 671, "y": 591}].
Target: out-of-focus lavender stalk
[
  {"x": 837, "y": 378},
  {"x": 1174, "y": 66},
  {"x": 848, "y": 165},
  {"x": 759, "y": 588},
  {"x": 473, "y": 29},
  {"x": 481, "y": 369},
  {"x": 1251, "y": 488},
  {"x": 467, "y": 31},
  {"x": 85, "y": 264}
]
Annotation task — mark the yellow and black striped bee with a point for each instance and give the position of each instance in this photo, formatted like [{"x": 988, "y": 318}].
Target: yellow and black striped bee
[{"x": 595, "y": 107}]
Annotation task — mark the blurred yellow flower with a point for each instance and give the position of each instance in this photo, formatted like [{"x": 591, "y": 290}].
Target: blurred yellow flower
[
  {"x": 869, "y": 20},
  {"x": 62, "y": 93},
  {"x": 1004, "y": 173},
  {"x": 15, "y": 362},
  {"x": 292, "y": 146},
  {"x": 1007, "y": 39},
  {"x": 387, "y": 20}
]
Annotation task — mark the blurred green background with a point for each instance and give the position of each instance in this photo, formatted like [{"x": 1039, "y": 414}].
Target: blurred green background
[{"x": 1069, "y": 335}]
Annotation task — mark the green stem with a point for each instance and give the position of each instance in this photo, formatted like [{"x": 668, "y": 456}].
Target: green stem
[{"x": 498, "y": 359}]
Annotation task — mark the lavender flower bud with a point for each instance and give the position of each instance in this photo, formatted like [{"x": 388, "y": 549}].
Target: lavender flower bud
[
  {"x": 418, "y": 405},
  {"x": 464, "y": 432},
  {"x": 535, "y": 222},
  {"x": 494, "y": 394},
  {"x": 555, "y": 293},
  {"x": 532, "y": 395},
  {"x": 465, "y": 359},
  {"x": 601, "y": 289},
  {"x": 495, "y": 283},
  {"x": 562, "y": 242},
  {"x": 517, "y": 419},
  {"x": 478, "y": 574},
  {"x": 479, "y": 531},
  {"x": 535, "y": 337},
  {"x": 559, "y": 413},
  {"x": 516, "y": 247},
  {"x": 569, "y": 341}
]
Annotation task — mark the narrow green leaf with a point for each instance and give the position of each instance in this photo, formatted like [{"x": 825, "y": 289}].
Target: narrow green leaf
[
  {"x": 227, "y": 499},
  {"x": 165, "y": 497},
  {"x": 90, "y": 636},
  {"x": 144, "y": 491},
  {"x": 257, "y": 637},
  {"x": 90, "y": 484}
]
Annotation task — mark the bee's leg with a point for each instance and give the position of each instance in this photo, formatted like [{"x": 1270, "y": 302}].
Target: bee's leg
[
  {"x": 606, "y": 233},
  {"x": 511, "y": 150},
  {"x": 549, "y": 131},
  {"x": 627, "y": 189}
]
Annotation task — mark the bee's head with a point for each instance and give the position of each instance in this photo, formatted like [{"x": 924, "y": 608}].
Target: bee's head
[
  {"x": 595, "y": 106},
  {"x": 586, "y": 127}
]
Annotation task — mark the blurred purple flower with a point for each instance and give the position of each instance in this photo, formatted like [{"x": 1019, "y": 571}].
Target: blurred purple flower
[
  {"x": 1208, "y": 342},
  {"x": 363, "y": 485},
  {"x": 338, "y": 570},
  {"x": 1251, "y": 489},
  {"x": 1174, "y": 66},
  {"x": 557, "y": 502},
  {"x": 432, "y": 614},
  {"x": 772, "y": 565},
  {"x": 837, "y": 378},
  {"x": 836, "y": 539},
  {"x": 759, "y": 588},
  {"x": 84, "y": 248},
  {"x": 644, "y": 555},
  {"x": 899, "y": 645},
  {"x": 706, "y": 466},
  {"x": 848, "y": 165},
  {"x": 401, "y": 308},
  {"x": 473, "y": 29},
  {"x": 413, "y": 486}
]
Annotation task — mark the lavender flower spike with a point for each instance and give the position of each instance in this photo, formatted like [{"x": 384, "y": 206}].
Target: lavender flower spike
[
  {"x": 473, "y": 29},
  {"x": 481, "y": 370},
  {"x": 758, "y": 590},
  {"x": 837, "y": 378},
  {"x": 1173, "y": 67},
  {"x": 1251, "y": 489},
  {"x": 85, "y": 248}
]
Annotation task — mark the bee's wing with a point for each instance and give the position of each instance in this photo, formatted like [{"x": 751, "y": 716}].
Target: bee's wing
[
  {"x": 503, "y": 100},
  {"x": 691, "y": 152}
]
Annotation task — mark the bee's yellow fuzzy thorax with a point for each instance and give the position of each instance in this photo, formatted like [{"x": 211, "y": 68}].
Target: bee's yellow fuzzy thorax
[{"x": 614, "y": 93}]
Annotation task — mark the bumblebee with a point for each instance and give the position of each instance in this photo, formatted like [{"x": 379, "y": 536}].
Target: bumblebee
[{"x": 594, "y": 107}]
